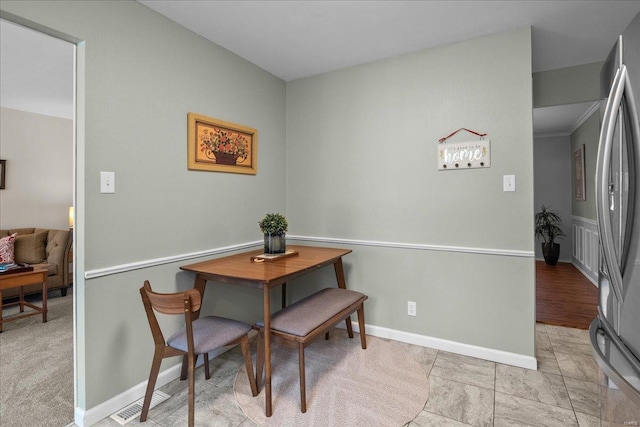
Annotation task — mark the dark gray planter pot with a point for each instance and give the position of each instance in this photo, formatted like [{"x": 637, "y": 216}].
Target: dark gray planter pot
[
  {"x": 274, "y": 243},
  {"x": 551, "y": 253}
]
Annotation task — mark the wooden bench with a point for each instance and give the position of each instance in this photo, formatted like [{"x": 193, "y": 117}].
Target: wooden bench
[{"x": 303, "y": 321}]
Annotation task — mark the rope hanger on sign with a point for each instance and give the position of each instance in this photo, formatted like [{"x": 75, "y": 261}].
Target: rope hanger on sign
[{"x": 481, "y": 135}]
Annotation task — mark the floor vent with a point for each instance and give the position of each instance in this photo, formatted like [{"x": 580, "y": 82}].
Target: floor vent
[{"x": 134, "y": 410}]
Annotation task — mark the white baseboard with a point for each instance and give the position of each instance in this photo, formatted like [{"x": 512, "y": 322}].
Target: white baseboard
[
  {"x": 86, "y": 418},
  {"x": 514, "y": 359}
]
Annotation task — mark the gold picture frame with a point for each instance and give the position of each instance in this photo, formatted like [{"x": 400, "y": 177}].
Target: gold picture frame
[{"x": 220, "y": 146}]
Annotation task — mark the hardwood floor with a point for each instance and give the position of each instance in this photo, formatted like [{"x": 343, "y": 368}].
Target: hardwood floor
[{"x": 564, "y": 297}]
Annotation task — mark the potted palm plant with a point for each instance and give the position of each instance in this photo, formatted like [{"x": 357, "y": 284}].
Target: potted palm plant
[
  {"x": 547, "y": 227},
  {"x": 274, "y": 226}
]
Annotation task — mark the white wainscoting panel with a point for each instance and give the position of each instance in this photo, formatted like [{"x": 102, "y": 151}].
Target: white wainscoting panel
[
  {"x": 586, "y": 247},
  {"x": 578, "y": 239},
  {"x": 588, "y": 262}
]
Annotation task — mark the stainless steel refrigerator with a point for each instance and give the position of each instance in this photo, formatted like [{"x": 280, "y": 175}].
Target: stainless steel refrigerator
[{"x": 615, "y": 333}]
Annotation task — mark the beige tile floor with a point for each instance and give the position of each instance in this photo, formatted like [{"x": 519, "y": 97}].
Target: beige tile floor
[{"x": 567, "y": 390}]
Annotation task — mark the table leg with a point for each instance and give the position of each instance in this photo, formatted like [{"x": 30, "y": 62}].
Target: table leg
[
  {"x": 337, "y": 266},
  {"x": 342, "y": 283},
  {"x": 200, "y": 285},
  {"x": 267, "y": 351},
  {"x": 284, "y": 295},
  {"x": 21, "y": 299},
  {"x": 45, "y": 292},
  {"x": 1, "y": 312}
]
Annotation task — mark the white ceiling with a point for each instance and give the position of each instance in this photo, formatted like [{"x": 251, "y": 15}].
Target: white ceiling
[
  {"x": 561, "y": 120},
  {"x": 36, "y": 72},
  {"x": 294, "y": 39}
]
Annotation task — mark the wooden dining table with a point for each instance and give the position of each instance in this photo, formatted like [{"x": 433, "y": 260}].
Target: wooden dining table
[{"x": 244, "y": 270}]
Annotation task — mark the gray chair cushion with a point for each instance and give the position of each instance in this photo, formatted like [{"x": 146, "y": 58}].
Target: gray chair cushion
[
  {"x": 209, "y": 333},
  {"x": 305, "y": 315}
]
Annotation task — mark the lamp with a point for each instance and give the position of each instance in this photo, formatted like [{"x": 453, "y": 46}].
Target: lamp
[{"x": 70, "y": 217}]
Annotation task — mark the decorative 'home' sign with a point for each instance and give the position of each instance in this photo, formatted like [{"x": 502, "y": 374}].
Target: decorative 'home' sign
[{"x": 464, "y": 155}]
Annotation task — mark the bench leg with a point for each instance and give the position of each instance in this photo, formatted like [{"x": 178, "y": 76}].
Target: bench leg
[
  {"x": 207, "y": 374},
  {"x": 183, "y": 372},
  {"x": 303, "y": 386},
  {"x": 259, "y": 359},
  {"x": 349, "y": 327},
  {"x": 363, "y": 334}
]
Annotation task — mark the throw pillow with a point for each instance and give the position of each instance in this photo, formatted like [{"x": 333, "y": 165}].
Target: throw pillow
[
  {"x": 30, "y": 248},
  {"x": 7, "y": 249}
]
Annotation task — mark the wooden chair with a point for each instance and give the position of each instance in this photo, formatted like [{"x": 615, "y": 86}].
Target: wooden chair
[{"x": 197, "y": 337}]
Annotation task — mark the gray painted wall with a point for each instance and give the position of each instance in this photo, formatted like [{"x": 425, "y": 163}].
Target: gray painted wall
[
  {"x": 140, "y": 74},
  {"x": 361, "y": 157},
  {"x": 569, "y": 85},
  {"x": 587, "y": 135},
  {"x": 553, "y": 185},
  {"x": 39, "y": 176}
]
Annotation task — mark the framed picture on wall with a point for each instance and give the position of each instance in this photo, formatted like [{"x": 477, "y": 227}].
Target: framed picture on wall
[
  {"x": 216, "y": 145},
  {"x": 3, "y": 171},
  {"x": 578, "y": 173}
]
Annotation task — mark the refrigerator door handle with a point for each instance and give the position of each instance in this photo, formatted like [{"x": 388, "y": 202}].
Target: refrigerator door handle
[
  {"x": 633, "y": 112},
  {"x": 605, "y": 363},
  {"x": 602, "y": 181}
]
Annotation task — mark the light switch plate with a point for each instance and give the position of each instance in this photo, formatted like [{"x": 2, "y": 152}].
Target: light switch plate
[
  {"x": 411, "y": 308},
  {"x": 508, "y": 183},
  {"x": 107, "y": 182}
]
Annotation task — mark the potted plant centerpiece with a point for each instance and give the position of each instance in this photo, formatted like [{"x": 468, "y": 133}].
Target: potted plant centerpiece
[
  {"x": 548, "y": 228},
  {"x": 274, "y": 226}
]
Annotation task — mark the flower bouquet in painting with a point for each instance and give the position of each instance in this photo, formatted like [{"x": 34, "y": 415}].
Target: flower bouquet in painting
[{"x": 226, "y": 148}]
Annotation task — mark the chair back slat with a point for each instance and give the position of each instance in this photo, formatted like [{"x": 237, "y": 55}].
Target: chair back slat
[{"x": 173, "y": 303}]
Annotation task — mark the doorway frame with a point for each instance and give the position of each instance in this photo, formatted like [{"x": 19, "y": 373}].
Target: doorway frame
[{"x": 79, "y": 59}]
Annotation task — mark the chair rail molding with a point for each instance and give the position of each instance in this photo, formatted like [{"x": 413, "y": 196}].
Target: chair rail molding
[
  {"x": 416, "y": 246},
  {"x": 123, "y": 268}
]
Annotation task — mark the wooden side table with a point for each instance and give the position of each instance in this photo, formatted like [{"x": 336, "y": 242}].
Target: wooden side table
[{"x": 19, "y": 280}]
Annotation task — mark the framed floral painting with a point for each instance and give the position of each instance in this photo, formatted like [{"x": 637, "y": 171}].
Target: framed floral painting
[
  {"x": 578, "y": 174},
  {"x": 216, "y": 145}
]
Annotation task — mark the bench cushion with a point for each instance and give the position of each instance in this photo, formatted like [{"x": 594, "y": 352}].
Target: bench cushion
[{"x": 302, "y": 317}]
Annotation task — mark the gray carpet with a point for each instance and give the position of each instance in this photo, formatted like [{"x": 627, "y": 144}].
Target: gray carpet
[
  {"x": 36, "y": 367},
  {"x": 346, "y": 385}
]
